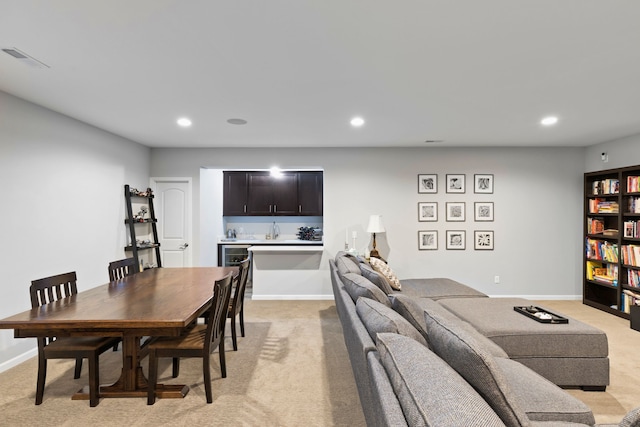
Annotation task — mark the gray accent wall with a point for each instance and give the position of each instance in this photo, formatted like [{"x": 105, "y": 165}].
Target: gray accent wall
[
  {"x": 537, "y": 201},
  {"x": 62, "y": 204}
]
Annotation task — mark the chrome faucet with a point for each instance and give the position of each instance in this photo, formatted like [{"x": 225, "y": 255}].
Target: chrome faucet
[{"x": 275, "y": 231}]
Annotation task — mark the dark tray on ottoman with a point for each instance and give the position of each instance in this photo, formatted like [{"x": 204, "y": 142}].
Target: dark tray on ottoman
[{"x": 530, "y": 311}]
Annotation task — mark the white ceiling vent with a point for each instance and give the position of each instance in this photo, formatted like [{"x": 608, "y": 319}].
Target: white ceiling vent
[{"x": 24, "y": 58}]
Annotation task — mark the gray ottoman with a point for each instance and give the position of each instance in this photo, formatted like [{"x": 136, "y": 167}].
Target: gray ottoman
[
  {"x": 436, "y": 288},
  {"x": 569, "y": 355}
]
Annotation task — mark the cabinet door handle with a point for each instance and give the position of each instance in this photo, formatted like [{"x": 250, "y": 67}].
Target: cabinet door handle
[
  {"x": 244, "y": 208},
  {"x": 299, "y": 208},
  {"x": 269, "y": 208},
  {"x": 275, "y": 208}
]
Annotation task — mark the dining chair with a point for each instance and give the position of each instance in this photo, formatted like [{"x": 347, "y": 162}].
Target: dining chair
[
  {"x": 121, "y": 268},
  {"x": 197, "y": 341},
  {"x": 59, "y": 288},
  {"x": 236, "y": 306}
]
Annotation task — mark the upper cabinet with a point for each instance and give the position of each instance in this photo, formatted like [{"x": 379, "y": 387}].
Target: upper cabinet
[
  {"x": 235, "y": 193},
  {"x": 258, "y": 193},
  {"x": 310, "y": 193}
]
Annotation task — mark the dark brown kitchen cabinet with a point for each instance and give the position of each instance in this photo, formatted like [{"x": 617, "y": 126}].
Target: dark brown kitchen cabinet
[
  {"x": 272, "y": 195},
  {"x": 258, "y": 193},
  {"x": 310, "y": 193},
  {"x": 235, "y": 194}
]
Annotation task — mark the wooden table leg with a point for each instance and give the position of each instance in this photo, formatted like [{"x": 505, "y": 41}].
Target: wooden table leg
[{"x": 132, "y": 382}]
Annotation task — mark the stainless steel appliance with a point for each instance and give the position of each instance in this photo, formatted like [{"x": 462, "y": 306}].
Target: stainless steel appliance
[{"x": 231, "y": 255}]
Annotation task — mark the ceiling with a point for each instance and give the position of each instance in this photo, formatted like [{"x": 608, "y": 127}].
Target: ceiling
[{"x": 467, "y": 72}]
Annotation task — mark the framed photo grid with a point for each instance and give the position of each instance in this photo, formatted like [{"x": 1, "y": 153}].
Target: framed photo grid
[
  {"x": 427, "y": 211},
  {"x": 456, "y": 239},
  {"x": 483, "y": 183},
  {"x": 483, "y": 240},
  {"x": 455, "y": 183},
  {"x": 483, "y": 211},
  {"x": 427, "y": 240},
  {"x": 455, "y": 211},
  {"x": 428, "y": 183}
]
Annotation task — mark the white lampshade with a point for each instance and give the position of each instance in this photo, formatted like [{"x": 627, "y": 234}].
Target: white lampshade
[{"x": 375, "y": 224}]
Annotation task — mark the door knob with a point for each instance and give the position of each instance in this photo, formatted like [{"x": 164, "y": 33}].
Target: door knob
[{"x": 183, "y": 246}]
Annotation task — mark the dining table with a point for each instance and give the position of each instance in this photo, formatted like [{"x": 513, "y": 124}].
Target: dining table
[{"x": 155, "y": 302}]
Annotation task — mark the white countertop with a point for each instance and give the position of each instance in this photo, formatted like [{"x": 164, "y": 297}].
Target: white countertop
[
  {"x": 269, "y": 242},
  {"x": 286, "y": 248}
]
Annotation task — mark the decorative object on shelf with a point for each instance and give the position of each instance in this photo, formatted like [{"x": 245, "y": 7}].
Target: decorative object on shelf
[
  {"x": 483, "y": 211},
  {"x": 428, "y": 183},
  {"x": 455, "y": 183},
  {"x": 483, "y": 183},
  {"x": 135, "y": 192},
  {"x": 456, "y": 239},
  {"x": 427, "y": 240},
  {"x": 375, "y": 226},
  {"x": 310, "y": 233},
  {"x": 483, "y": 240},
  {"x": 428, "y": 211},
  {"x": 455, "y": 211},
  {"x": 139, "y": 217}
]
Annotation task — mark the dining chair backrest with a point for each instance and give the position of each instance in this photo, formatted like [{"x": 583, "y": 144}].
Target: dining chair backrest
[
  {"x": 121, "y": 268},
  {"x": 51, "y": 289},
  {"x": 243, "y": 276},
  {"x": 218, "y": 312}
]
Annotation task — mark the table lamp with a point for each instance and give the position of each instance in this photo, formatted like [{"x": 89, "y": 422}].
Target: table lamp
[{"x": 375, "y": 226}]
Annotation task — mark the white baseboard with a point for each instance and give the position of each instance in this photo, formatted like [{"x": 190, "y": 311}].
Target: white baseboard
[
  {"x": 292, "y": 297},
  {"x": 5, "y": 366},
  {"x": 542, "y": 297}
]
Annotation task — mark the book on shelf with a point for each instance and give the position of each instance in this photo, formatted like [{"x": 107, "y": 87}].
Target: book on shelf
[
  {"x": 601, "y": 206},
  {"x": 630, "y": 255},
  {"x": 633, "y": 186},
  {"x": 633, "y": 204},
  {"x": 611, "y": 232},
  {"x": 633, "y": 278},
  {"x": 606, "y": 186},
  {"x": 595, "y": 225},
  {"x": 601, "y": 250},
  {"x": 632, "y": 229}
]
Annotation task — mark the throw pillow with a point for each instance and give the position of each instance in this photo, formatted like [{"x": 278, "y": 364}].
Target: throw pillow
[
  {"x": 346, "y": 264},
  {"x": 377, "y": 318},
  {"x": 384, "y": 269},
  {"x": 376, "y": 278},
  {"x": 430, "y": 392},
  {"x": 357, "y": 286}
]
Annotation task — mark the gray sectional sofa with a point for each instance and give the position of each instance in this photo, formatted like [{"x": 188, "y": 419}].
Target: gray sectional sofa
[{"x": 416, "y": 363}]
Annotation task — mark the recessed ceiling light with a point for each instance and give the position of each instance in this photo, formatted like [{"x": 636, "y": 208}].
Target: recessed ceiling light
[
  {"x": 549, "y": 121},
  {"x": 184, "y": 122},
  {"x": 357, "y": 122},
  {"x": 237, "y": 121}
]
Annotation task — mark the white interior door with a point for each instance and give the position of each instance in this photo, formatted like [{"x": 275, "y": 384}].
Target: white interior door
[{"x": 173, "y": 209}]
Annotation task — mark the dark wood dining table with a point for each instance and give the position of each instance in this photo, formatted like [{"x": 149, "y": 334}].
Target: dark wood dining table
[{"x": 155, "y": 302}]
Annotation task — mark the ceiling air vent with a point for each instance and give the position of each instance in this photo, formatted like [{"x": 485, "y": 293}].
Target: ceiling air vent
[{"x": 24, "y": 58}]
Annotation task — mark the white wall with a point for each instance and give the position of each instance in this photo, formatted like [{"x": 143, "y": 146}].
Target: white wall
[
  {"x": 62, "y": 204},
  {"x": 621, "y": 152},
  {"x": 538, "y": 206}
]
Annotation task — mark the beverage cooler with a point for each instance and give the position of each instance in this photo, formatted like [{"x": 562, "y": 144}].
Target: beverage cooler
[{"x": 232, "y": 255}]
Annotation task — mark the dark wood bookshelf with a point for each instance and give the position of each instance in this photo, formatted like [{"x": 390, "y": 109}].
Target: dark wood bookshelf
[{"x": 132, "y": 222}]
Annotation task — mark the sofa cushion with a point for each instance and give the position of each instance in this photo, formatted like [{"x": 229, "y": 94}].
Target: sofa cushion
[
  {"x": 540, "y": 399},
  {"x": 357, "y": 286},
  {"x": 377, "y": 318},
  {"x": 438, "y": 287},
  {"x": 346, "y": 263},
  {"x": 376, "y": 278},
  {"x": 464, "y": 354},
  {"x": 413, "y": 310},
  {"x": 384, "y": 269},
  {"x": 430, "y": 392}
]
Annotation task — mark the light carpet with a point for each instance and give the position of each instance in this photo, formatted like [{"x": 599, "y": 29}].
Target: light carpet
[{"x": 292, "y": 369}]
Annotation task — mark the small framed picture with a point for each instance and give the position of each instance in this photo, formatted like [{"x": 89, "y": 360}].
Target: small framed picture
[
  {"x": 483, "y": 240},
  {"x": 483, "y": 183},
  {"x": 428, "y": 183},
  {"x": 428, "y": 211},
  {"x": 483, "y": 211},
  {"x": 455, "y": 211},
  {"x": 456, "y": 239},
  {"x": 455, "y": 183},
  {"x": 427, "y": 240}
]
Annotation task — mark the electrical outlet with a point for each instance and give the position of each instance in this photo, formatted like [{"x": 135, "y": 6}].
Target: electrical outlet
[{"x": 496, "y": 280}]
